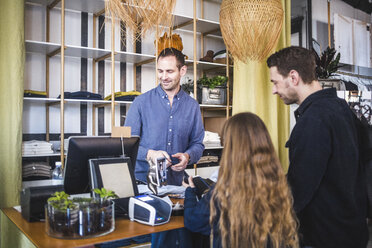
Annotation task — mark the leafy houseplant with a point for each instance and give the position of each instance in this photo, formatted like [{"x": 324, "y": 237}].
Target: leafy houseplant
[
  {"x": 327, "y": 63},
  {"x": 206, "y": 83},
  {"x": 212, "y": 83}
]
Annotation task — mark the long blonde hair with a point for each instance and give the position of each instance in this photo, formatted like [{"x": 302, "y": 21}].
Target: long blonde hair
[{"x": 252, "y": 194}]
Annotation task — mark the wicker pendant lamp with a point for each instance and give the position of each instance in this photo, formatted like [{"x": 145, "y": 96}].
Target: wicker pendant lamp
[
  {"x": 251, "y": 28},
  {"x": 142, "y": 15}
]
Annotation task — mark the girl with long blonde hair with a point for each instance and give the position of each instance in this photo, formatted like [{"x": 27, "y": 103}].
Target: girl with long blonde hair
[{"x": 251, "y": 204}]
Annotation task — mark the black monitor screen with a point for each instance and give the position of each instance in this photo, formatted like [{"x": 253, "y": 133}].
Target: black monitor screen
[{"x": 81, "y": 149}]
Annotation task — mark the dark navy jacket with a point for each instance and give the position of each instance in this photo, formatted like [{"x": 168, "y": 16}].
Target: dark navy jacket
[
  {"x": 324, "y": 173},
  {"x": 196, "y": 215}
]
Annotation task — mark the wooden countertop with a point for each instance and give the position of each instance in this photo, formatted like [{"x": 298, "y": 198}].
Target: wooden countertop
[{"x": 124, "y": 228}]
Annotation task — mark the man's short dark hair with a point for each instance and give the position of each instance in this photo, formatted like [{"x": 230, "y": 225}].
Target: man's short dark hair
[
  {"x": 295, "y": 58},
  {"x": 180, "y": 57}
]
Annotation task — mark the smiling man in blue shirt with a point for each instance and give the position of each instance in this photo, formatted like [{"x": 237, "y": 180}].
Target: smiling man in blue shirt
[{"x": 168, "y": 121}]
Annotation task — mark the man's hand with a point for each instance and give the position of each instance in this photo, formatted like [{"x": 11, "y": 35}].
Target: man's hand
[
  {"x": 184, "y": 160},
  {"x": 153, "y": 155}
]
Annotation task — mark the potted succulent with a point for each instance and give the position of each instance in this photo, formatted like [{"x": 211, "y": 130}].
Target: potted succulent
[
  {"x": 96, "y": 215},
  {"x": 326, "y": 65},
  {"x": 80, "y": 217},
  {"x": 61, "y": 215}
]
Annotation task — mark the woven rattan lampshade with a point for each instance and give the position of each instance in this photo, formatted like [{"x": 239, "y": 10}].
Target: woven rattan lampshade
[
  {"x": 251, "y": 28},
  {"x": 142, "y": 15}
]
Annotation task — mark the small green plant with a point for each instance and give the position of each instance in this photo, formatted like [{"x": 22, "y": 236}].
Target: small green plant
[
  {"x": 327, "y": 63},
  {"x": 212, "y": 82},
  {"x": 60, "y": 200},
  {"x": 105, "y": 194}
]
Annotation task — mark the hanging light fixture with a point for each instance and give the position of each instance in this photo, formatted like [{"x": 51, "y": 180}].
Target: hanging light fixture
[
  {"x": 142, "y": 15},
  {"x": 251, "y": 28}
]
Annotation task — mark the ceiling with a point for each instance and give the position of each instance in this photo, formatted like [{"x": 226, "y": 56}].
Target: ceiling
[{"x": 363, "y": 5}]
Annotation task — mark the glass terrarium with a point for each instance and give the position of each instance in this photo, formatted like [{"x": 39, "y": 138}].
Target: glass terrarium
[{"x": 82, "y": 219}]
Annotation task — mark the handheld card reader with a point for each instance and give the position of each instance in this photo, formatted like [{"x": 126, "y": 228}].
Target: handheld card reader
[{"x": 149, "y": 209}]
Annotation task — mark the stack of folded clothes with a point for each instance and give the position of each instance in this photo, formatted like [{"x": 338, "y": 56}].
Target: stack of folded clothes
[
  {"x": 84, "y": 95},
  {"x": 124, "y": 96},
  {"x": 211, "y": 139},
  {"x": 36, "y": 170},
  {"x": 208, "y": 159},
  {"x": 34, "y": 93},
  {"x": 36, "y": 147}
]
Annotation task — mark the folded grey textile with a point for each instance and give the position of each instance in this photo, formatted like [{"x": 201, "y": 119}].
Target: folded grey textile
[
  {"x": 36, "y": 143},
  {"x": 34, "y": 147},
  {"x": 212, "y": 144},
  {"x": 36, "y": 169},
  {"x": 36, "y": 173},
  {"x": 41, "y": 165},
  {"x": 208, "y": 159},
  {"x": 211, "y": 139}
]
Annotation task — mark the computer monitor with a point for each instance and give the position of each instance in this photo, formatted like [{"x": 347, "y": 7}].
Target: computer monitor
[{"x": 83, "y": 148}]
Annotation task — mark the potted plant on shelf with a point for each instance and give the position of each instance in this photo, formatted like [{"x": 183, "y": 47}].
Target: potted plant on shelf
[
  {"x": 209, "y": 90},
  {"x": 214, "y": 90},
  {"x": 326, "y": 65}
]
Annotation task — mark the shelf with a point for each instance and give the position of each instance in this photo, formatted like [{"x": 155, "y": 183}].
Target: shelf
[
  {"x": 95, "y": 53},
  {"x": 57, "y": 100},
  {"x": 134, "y": 57},
  {"x": 91, "y": 6},
  {"x": 41, "y": 100},
  {"x": 202, "y": 65},
  {"x": 86, "y": 52},
  {"x": 202, "y": 26},
  {"x": 41, "y": 47},
  {"x": 94, "y": 6},
  {"x": 212, "y": 147},
  {"x": 55, "y": 154},
  {"x": 213, "y": 106}
]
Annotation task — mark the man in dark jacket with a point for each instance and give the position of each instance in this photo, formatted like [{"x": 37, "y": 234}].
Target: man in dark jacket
[{"x": 325, "y": 176}]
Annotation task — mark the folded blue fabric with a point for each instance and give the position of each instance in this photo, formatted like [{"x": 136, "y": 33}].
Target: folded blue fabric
[{"x": 85, "y": 95}]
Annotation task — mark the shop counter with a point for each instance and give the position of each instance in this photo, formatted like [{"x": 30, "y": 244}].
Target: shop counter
[{"x": 17, "y": 232}]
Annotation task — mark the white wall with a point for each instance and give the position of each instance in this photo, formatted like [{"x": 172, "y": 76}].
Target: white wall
[{"x": 320, "y": 17}]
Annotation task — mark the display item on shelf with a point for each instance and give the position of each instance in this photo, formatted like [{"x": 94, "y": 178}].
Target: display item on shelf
[
  {"x": 57, "y": 172},
  {"x": 208, "y": 159},
  {"x": 211, "y": 139},
  {"x": 36, "y": 147},
  {"x": 170, "y": 41},
  {"x": 124, "y": 96},
  {"x": 85, "y": 95},
  {"x": 34, "y": 93},
  {"x": 208, "y": 57},
  {"x": 36, "y": 169}
]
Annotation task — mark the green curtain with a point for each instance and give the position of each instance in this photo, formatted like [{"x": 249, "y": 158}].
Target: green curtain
[
  {"x": 12, "y": 59},
  {"x": 253, "y": 92}
]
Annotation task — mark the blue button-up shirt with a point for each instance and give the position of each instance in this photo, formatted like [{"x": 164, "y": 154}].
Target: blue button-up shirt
[{"x": 161, "y": 127}]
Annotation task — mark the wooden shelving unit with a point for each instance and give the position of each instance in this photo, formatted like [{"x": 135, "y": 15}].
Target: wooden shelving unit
[{"x": 200, "y": 26}]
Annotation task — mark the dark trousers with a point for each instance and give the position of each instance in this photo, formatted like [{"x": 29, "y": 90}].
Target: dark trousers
[{"x": 179, "y": 238}]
